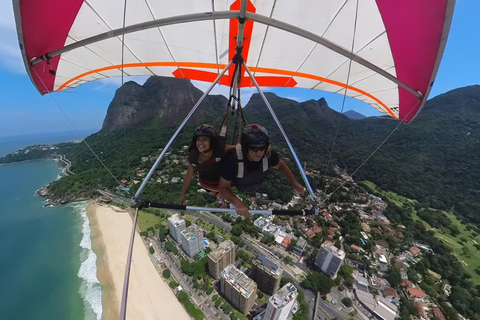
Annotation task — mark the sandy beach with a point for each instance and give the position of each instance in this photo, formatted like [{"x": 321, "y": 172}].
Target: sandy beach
[{"x": 148, "y": 296}]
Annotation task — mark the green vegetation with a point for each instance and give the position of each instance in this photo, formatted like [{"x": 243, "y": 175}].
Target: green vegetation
[
  {"x": 171, "y": 247},
  {"x": 445, "y": 261},
  {"x": 148, "y": 219},
  {"x": 318, "y": 282},
  {"x": 463, "y": 239},
  {"x": 347, "y": 302},
  {"x": 214, "y": 229},
  {"x": 166, "y": 273},
  {"x": 191, "y": 309},
  {"x": 151, "y": 250},
  {"x": 196, "y": 268}
]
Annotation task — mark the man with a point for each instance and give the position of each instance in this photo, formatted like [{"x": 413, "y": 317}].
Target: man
[{"x": 246, "y": 167}]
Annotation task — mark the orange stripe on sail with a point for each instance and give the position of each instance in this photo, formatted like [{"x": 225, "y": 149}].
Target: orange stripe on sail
[{"x": 221, "y": 66}]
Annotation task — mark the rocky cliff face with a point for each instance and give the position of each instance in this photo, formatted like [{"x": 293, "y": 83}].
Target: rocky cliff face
[{"x": 166, "y": 99}]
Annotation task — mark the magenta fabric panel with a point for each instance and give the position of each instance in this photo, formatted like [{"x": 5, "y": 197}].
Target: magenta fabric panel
[
  {"x": 414, "y": 29},
  {"x": 45, "y": 26}
]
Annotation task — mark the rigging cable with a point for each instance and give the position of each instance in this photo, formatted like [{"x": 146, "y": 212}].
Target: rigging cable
[
  {"x": 374, "y": 151},
  {"x": 344, "y": 96},
  {"x": 279, "y": 125},
  {"x": 74, "y": 128},
  {"x": 123, "y": 305}
]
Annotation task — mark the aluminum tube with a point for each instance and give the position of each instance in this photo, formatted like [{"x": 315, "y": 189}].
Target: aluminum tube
[
  {"x": 123, "y": 307},
  {"x": 302, "y": 172},
  {"x": 227, "y": 210},
  {"x": 150, "y": 173}
]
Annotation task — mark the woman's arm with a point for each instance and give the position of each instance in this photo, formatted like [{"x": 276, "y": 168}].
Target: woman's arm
[{"x": 186, "y": 182}]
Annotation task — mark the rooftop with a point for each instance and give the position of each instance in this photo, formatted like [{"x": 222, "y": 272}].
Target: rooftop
[
  {"x": 283, "y": 296},
  {"x": 268, "y": 265},
  {"x": 382, "y": 307},
  {"x": 416, "y": 292},
  {"x": 330, "y": 247},
  {"x": 223, "y": 247},
  {"x": 175, "y": 220},
  {"x": 261, "y": 222},
  {"x": 192, "y": 232},
  {"x": 390, "y": 292},
  {"x": 415, "y": 251},
  {"x": 239, "y": 280}
]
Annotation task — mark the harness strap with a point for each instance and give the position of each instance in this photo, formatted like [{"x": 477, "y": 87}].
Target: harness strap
[{"x": 241, "y": 163}]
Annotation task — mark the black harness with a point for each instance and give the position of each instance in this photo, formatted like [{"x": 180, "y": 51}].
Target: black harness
[
  {"x": 210, "y": 170},
  {"x": 247, "y": 181}
]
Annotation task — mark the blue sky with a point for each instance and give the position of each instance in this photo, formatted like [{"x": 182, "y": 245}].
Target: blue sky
[{"x": 24, "y": 111}]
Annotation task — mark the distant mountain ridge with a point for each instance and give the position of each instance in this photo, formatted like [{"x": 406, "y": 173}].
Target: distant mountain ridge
[
  {"x": 435, "y": 159},
  {"x": 354, "y": 115}
]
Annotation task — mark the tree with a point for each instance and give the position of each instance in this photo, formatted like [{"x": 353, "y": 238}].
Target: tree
[
  {"x": 166, "y": 273},
  {"x": 347, "y": 302},
  {"x": 162, "y": 232},
  {"x": 171, "y": 248},
  {"x": 318, "y": 282},
  {"x": 237, "y": 230},
  {"x": 393, "y": 277}
]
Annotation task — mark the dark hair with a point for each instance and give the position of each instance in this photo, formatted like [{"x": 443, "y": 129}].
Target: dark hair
[{"x": 206, "y": 131}]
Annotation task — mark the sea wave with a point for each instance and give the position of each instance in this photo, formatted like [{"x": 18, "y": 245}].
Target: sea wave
[{"x": 90, "y": 288}]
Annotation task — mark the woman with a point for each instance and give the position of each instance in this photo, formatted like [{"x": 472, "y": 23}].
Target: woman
[{"x": 206, "y": 153}]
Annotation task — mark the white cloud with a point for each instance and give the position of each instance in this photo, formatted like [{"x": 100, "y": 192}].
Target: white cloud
[{"x": 9, "y": 50}]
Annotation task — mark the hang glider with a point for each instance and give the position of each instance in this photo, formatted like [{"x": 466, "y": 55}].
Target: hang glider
[{"x": 385, "y": 52}]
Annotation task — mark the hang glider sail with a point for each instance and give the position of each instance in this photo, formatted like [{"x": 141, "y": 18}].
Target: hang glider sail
[{"x": 385, "y": 52}]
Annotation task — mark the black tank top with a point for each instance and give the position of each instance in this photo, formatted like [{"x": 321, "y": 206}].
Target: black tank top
[{"x": 211, "y": 169}]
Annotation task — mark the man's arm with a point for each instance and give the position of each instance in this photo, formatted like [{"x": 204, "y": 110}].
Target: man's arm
[
  {"x": 285, "y": 170},
  {"x": 224, "y": 187},
  {"x": 186, "y": 182}
]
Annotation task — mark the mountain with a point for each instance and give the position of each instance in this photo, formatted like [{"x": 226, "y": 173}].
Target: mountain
[
  {"x": 435, "y": 159},
  {"x": 354, "y": 115},
  {"x": 159, "y": 98}
]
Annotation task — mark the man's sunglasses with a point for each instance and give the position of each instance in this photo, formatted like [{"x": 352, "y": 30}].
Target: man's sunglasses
[{"x": 255, "y": 149}]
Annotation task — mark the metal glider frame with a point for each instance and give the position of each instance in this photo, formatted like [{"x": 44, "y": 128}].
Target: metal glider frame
[
  {"x": 302, "y": 172},
  {"x": 123, "y": 308}
]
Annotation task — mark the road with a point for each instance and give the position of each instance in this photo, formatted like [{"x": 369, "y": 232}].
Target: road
[
  {"x": 250, "y": 243},
  {"x": 201, "y": 300},
  {"x": 310, "y": 297}
]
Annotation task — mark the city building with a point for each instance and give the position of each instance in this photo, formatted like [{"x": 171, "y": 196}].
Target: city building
[
  {"x": 378, "y": 307},
  {"x": 261, "y": 223},
  {"x": 281, "y": 303},
  {"x": 220, "y": 258},
  {"x": 192, "y": 240},
  {"x": 239, "y": 289},
  {"x": 329, "y": 259},
  {"x": 267, "y": 274},
  {"x": 175, "y": 226},
  {"x": 299, "y": 248}
]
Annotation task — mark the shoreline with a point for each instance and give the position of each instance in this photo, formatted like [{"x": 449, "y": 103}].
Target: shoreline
[
  {"x": 110, "y": 304},
  {"x": 149, "y": 297}
]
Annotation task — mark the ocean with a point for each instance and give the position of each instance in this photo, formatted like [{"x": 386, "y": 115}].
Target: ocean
[{"x": 47, "y": 266}]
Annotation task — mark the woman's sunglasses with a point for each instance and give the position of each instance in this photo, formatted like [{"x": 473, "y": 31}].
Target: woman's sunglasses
[{"x": 255, "y": 149}]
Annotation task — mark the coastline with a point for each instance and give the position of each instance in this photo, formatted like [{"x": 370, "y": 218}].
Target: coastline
[
  {"x": 149, "y": 297},
  {"x": 111, "y": 306}
]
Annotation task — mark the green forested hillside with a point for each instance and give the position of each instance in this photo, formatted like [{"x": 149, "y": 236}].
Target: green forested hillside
[{"x": 435, "y": 159}]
